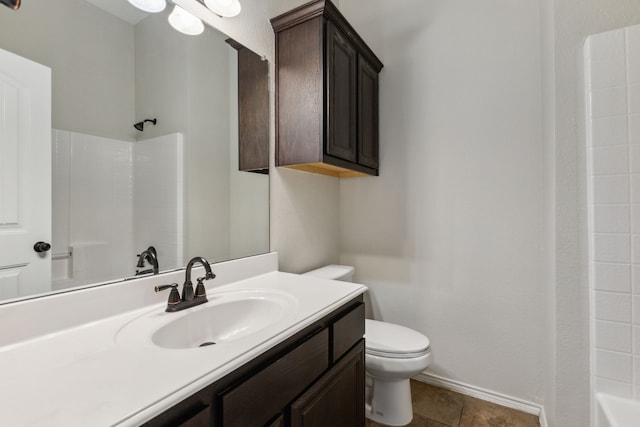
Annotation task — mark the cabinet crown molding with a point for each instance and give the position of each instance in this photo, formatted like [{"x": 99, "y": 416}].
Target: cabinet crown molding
[{"x": 327, "y": 9}]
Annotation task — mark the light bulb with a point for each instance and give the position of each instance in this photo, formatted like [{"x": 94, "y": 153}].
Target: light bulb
[
  {"x": 224, "y": 8},
  {"x": 152, "y": 6},
  {"x": 185, "y": 22}
]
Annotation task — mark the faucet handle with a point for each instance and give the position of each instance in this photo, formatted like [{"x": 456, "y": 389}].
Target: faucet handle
[
  {"x": 201, "y": 292},
  {"x": 174, "y": 295}
]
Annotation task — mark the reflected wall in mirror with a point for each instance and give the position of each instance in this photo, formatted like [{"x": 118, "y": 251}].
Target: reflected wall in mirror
[{"x": 117, "y": 190}]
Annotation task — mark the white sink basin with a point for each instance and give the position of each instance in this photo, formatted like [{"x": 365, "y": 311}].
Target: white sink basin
[
  {"x": 226, "y": 318},
  {"x": 218, "y": 323}
]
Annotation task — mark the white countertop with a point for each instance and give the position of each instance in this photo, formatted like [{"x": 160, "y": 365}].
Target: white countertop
[{"x": 94, "y": 374}]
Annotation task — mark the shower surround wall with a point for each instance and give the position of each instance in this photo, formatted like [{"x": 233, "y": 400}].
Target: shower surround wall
[
  {"x": 158, "y": 202},
  {"x": 92, "y": 208},
  {"x": 105, "y": 191},
  {"x": 612, "y": 63}
]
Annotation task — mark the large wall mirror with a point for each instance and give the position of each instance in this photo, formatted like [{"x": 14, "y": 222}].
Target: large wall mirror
[{"x": 118, "y": 189}]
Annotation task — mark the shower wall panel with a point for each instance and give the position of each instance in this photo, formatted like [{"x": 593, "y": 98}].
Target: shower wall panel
[
  {"x": 159, "y": 188},
  {"x": 613, "y": 135},
  {"x": 92, "y": 209}
]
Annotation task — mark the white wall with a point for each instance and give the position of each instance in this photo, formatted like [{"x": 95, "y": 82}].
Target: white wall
[{"x": 450, "y": 236}]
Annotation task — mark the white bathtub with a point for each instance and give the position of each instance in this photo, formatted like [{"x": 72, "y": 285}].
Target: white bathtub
[{"x": 614, "y": 411}]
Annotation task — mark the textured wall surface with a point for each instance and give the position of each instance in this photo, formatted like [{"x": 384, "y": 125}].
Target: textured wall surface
[{"x": 449, "y": 238}]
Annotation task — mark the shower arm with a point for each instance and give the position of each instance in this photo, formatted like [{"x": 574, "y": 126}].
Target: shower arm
[{"x": 140, "y": 125}]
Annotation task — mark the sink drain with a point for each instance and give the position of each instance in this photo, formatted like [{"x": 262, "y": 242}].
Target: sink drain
[{"x": 204, "y": 344}]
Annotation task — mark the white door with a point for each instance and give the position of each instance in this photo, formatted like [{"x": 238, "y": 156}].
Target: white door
[{"x": 25, "y": 176}]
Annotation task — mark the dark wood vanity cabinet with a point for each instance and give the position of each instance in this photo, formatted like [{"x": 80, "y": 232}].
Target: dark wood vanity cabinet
[
  {"x": 326, "y": 94},
  {"x": 335, "y": 399},
  {"x": 315, "y": 378}
]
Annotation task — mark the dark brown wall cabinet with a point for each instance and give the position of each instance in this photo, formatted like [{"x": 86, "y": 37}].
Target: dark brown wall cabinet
[
  {"x": 253, "y": 110},
  {"x": 326, "y": 93},
  {"x": 315, "y": 378}
]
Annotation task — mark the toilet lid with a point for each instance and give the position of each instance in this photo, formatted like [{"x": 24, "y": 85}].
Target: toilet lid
[{"x": 395, "y": 341}]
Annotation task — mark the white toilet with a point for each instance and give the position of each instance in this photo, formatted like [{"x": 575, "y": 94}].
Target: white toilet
[{"x": 394, "y": 354}]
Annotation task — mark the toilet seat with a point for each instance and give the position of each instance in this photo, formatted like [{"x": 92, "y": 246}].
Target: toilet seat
[{"x": 394, "y": 341}]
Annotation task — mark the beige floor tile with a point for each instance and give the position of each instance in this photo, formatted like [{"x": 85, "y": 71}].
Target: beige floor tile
[
  {"x": 437, "y": 407},
  {"x": 478, "y": 413},
  {"x": 431, "y": 423},
  {"x": 436, "y": 404},
  {"x": 418, "y": 421}
]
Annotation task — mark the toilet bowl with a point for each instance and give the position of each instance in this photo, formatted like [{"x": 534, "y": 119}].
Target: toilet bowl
[{"x": 393, "y": 354}]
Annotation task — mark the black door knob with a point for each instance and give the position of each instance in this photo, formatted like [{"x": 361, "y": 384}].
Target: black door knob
[{"x": 41, "y": 247}]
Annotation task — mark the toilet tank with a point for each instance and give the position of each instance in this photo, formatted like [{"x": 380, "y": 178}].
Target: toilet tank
[{"x": 334, "y": 272}]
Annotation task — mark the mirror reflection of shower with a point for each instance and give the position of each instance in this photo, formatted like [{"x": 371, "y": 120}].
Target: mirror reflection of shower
[
  {"x": 117, "y": 190},
  {"x": 111, "y": 196}
]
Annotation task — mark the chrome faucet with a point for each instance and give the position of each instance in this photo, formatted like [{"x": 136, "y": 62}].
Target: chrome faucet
[
  {"x": 189, "y": 298},
  {"x": 150, "y": 255}
]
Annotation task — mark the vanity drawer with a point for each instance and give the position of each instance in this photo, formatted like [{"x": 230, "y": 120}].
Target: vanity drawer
[
  {"x": 347, "y": 331},
  {"x": 261, "y": 397}
]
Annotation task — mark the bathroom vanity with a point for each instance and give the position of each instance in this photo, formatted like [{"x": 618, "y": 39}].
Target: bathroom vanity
[
  {"x": 314, "y": 378},
  {"x": 288, "y": 351}
]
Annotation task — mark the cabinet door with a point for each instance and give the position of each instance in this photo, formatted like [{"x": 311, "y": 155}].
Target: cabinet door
[
  {"x": 278, "y": 422},
  {"x": 337, "y": 399},
  {"x": 260, "y": 398},
  {"x": 253, "y": 112},
  {"x": 367, "y": 114},
  {"x": 341, "y": 76}
]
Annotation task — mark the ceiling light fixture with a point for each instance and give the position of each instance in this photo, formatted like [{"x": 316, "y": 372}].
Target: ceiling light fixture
[
  {"x": 152, "y": 6},
  {"x": 224, "y": 8},
  {"x": 13, "y": 4},
  {"x": 185, "y": 22}
]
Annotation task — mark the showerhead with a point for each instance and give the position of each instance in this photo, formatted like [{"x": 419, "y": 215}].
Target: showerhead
[{"x": 140, "y": 125}]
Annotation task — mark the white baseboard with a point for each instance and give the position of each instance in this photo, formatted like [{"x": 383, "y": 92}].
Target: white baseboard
[{"x": 482, "y": 394}]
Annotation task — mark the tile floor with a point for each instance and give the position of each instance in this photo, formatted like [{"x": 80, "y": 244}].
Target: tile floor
[{"x": 437, "y": 407}]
